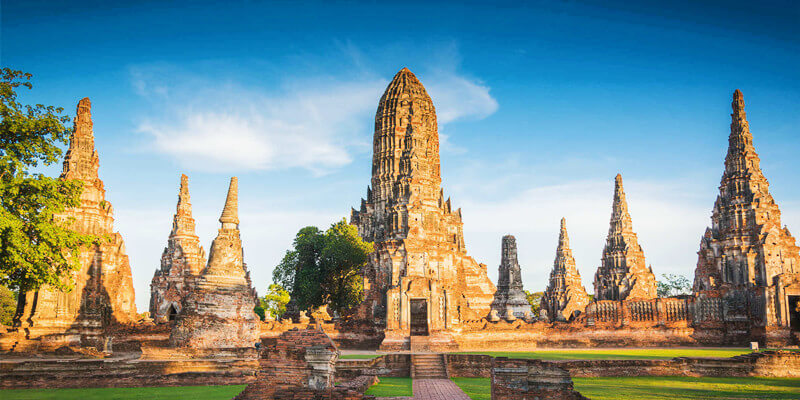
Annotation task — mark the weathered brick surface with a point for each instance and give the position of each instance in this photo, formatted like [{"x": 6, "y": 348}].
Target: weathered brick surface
[
  {"x": 182, "y": 259},
  {"x": 785, "y": 364},
  {"x": 530, "y": 379},
  {"x": 393, "y": 365},
  {"x": 299, "y": 364},
  {"x": 418, "y": 234},
  {"x": 103, "y": 288}
]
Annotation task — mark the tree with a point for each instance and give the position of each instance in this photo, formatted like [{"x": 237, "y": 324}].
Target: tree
[
  {"x": 274, "y": 302},
  {"x": 673, "y": 285},
  {"x": 535, "y": 299},
  {"x": 35, "y": 248},
  {"x": 324, "y": 268},
  {"x": 8, "y": 305}
]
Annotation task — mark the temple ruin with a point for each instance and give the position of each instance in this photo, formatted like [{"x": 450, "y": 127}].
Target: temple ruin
[
  {"x": 623, "y": 273},
  {"x": 747, "y": 259},
  {"x": 509, "y": 299},
  {"x": 565, "y": 297},
  {"x": 182, "y": 260},
  {"x": 218, "y": 312},
  {"x": 103, "y": 288},
  {"x": 420, "y": 280}
]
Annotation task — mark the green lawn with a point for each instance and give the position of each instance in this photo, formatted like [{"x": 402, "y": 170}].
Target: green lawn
[
  {"x": 663, "y": 388},
  {"x": 475, "y": 388},
  {"x": 679, "y": 387},
  {"x": 618, "y": 354},
  {"x": 149, "y": 393},
  {"x": 359, "y": 356},
  {"x": 392, "y": 387}
]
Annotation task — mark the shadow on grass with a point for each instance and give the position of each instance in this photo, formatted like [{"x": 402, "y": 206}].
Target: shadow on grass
[{"x": 149, "y": 393}]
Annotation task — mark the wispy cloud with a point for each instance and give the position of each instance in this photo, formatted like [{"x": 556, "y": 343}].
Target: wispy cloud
[{"x": 313, "y": 122}]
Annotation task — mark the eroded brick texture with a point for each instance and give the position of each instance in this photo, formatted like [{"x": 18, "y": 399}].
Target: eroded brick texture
[
  {"x": 530, "y": 379},
  {"x": 301, "y": 365},
  {"x": 418, "y": 235},
  {"x": 182, "y": 260},
  {"x": 509, "y": 299},
  {"x": 103, "y": 287},
  {"x": 623, "y": 274},
  {"x": 218, "y": 313},
  {"x": 748, "y": 262},
  {"x": 565, "y": 297}
]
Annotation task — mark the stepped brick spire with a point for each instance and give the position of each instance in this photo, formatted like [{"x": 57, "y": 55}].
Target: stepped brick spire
[
  {"x": 746, "y": 245},
  {"x": 103, "y": 287},
  {"x": 418, "y": 235},
  {"x": 565, "y": 296},
  {"x": 182, "y": 259},
  {"x": 510, "y": 297},
  {"x": 218, "y": 312},
  {"x": 81, "y": 161},
  {"x": 623, "y": 273},
  {"x": 226, "y": 255},
  {"x": 230, "y": 214}
]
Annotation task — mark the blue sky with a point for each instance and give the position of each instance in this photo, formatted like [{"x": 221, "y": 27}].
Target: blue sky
[{"x": 539, "y": 107}]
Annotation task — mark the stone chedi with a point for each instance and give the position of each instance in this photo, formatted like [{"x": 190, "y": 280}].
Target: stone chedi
[
  {"x": 420, "y": 260},
  {"x": 565, "y": 296},
  {"x": 623, "y": 274},
  {"x": 509, "y": 299},
  {"x": 103, "y": 287},
  {"x": 746, "y": 255},
  {"x": 218, "y": 312},
  {"x": 182, "y": 260}
]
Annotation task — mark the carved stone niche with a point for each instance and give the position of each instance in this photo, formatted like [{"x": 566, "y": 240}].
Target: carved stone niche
[{"x": 322, "y": 362}]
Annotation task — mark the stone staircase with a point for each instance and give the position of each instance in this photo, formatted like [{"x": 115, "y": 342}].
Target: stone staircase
[{"x": 428, "y": 366}]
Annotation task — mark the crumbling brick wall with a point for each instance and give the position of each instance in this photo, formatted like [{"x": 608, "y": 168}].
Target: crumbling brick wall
[{"x": 530, "y": 379}]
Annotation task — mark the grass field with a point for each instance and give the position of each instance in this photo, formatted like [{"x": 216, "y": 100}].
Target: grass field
[
  {"x": 149, "y": 393},
  {"x": 618, "y": 354},
  {"x": 392, "y": 387},
  {"x": 662, "y": 388},
  {"x": 359, "y": 356},
  {"x": 679, "y": 388},
  {"x": 475, "y": 388}
]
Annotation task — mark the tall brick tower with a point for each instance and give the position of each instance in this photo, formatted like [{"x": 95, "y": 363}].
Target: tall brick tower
[
  {"x": 420, "y": 280},
  {"x": 182, "y": 259},
  {"x": 565, "y": 296},
  {"x": 746, "y": 256},
  {"x": 103, "y": 287},
  {"x": 623, "y": 273}
]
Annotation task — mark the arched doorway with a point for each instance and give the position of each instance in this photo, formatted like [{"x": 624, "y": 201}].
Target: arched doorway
[
  {"x": 419, "y": 317},
  {"x": 172, "y": 313}
]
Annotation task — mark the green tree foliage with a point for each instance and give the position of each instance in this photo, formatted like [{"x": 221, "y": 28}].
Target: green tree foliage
[
  {"x": 274, "y": 302},
  {"x": 325, "y": 267},
  {"x": 35, "y": 248},
  {"x": 8, "y": 305},
  {"x": 673, "y": 285},
  {"x": 535, "y": 298}
]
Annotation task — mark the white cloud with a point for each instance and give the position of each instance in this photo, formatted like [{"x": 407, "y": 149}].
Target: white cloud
[
  {"x": 458, "y": 97},
  {"x": 233, "y": 128},
  {"x": 315, "y": 123}
]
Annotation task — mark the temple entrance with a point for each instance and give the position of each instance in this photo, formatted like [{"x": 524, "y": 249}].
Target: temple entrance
[
  {"x": 172, "y": 313},
  {"x": 794, "y": 313},
  {"x": 419, "y": 317}
]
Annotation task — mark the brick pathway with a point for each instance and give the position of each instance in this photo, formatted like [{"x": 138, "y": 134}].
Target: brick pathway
[{"x": 437, "y": 389}]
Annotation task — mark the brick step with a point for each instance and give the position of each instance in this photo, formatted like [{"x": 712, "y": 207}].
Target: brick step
[{"x": 428, "y": 366}]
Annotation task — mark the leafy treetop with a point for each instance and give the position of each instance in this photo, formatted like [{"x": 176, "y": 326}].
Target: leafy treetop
[{"x": 36, "y": 248}]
